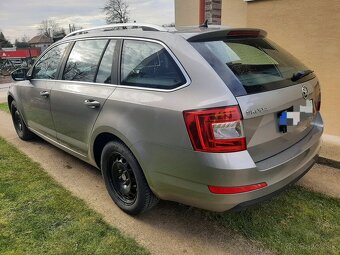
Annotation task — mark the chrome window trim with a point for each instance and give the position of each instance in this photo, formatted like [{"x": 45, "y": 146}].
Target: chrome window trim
[
  {"x": 82, "y": 82},
  {"x": 49, "y": 80},
  {"x": 178, "y": 63}
]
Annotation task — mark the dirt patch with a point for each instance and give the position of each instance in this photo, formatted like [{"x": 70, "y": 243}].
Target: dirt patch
[
  {"x": 323, "y": 179},
  {"x": 169, "y": 228},
  {"x": 5, "y": 79}
]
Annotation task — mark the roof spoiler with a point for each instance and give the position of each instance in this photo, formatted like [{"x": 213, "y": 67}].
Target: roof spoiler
[{"x": 228, "y": 33}]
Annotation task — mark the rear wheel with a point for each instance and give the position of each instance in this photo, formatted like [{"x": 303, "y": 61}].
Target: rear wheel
[
  {"x": 20, "y": 127},
  {"x": 124, "y": 179}
]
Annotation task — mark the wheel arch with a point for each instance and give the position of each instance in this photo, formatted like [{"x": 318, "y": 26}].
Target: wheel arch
[
  {"x": 10, "y": 99},
  {"x": 99, "y": 143},
  {"x": 14, "y": 95},
  {"x": 102, "y": 136}
]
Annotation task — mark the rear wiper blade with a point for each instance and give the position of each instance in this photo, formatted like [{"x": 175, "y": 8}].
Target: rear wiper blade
[{"x": 300, "y": 74}]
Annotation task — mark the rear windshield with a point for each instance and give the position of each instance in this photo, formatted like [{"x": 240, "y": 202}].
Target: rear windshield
[{"x": 259, "y": 64}]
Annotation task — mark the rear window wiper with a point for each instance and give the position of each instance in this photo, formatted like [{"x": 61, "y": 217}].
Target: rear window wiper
[{"x": 300, "y": 74}]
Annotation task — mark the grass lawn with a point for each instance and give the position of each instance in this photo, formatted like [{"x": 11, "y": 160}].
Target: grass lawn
[
  {"x": 4, "y": 107},
  {"x": 37, "y": 216},
  {"x": 296, "y": 222}
]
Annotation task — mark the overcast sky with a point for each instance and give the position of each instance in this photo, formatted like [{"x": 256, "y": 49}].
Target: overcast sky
[{"x": 22, "y": 17}]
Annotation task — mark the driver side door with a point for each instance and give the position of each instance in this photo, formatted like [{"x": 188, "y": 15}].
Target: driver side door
[{"x": 35, "y": 93}]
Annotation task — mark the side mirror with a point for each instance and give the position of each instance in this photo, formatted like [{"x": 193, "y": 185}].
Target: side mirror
[{"x": 20, "y": 74}]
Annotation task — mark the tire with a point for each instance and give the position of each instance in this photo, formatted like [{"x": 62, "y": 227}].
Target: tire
[
  {"x": 124, "y": 179},
  {"x": 20, "y": 127}
]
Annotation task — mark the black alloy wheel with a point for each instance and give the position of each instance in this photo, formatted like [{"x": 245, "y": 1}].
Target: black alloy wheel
[
  {"x": 125, "y": 180},
  {"x": 20, "y": 127},
  {"x": 122, "y": 179}
]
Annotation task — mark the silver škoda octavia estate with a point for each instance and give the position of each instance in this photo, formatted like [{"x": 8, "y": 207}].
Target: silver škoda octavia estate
[{"x": 213, "y": 118}]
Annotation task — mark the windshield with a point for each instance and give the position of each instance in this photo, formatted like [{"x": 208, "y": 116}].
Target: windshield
[{"x": 259, "y": 65}]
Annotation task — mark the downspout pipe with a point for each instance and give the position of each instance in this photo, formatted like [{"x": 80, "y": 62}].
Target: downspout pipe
[{"x": 202, "y": 12}]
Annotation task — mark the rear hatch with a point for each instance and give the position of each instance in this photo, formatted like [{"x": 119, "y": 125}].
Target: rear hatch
[{"x": 278, "y": 95}]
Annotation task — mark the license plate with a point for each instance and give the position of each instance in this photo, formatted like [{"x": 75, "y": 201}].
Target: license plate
[{"x": 290, "y": 118}]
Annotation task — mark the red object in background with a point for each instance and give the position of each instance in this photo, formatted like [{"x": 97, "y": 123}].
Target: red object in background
[
  {"x": 202, "y": 12},
  {"x": 20, "y": 53}
]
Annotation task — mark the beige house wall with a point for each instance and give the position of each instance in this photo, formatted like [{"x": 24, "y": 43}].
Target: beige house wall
[
  {"x": 314, "y": 38},
  {"x": 234, "y": 13},
  {"x": 186, "y": 12},
  {"x": 309, "y": 29}
]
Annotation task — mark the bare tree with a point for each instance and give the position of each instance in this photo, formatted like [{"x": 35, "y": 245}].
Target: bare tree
[
  {"x": 73, "y": 27},
  {"x": 117, "y": 11},
  {"x": 25, "y": 38},
  {"x": 169, "y": 25},
  {"x": 23, "y": 43},
  {"x": 48, "y": 27}
]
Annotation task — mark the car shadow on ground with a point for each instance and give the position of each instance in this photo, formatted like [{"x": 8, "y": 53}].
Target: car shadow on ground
[{"x": 185, "y": 226}]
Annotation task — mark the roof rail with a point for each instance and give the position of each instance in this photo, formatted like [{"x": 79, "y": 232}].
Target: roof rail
[{"x": 145, "y": 27}]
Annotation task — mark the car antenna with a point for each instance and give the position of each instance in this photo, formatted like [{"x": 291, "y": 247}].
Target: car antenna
[{"x": 205, "y": 24}]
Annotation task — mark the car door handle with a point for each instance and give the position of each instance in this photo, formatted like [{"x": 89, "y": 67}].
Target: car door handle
[
  {"x": 44, "y": 93},
  {"x": 90, "y": 103}
]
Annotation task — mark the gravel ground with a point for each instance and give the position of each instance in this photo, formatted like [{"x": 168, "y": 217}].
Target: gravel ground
[
  {"x": 5, "y": 79},
  {"x": 5, "y": 82},
  {"x": 323, "y": 179},
  {"x": 3, "y": 91}
]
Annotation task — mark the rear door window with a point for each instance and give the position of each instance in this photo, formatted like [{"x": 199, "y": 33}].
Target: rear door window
[
  {"x": 259, "y": 64},
  {"x": 83, "y": 61},
  {"x": 105, "y": 67},
  {"x": 148, "y": 64}
]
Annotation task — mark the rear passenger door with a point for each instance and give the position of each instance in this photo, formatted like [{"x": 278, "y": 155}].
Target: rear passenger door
[{"x": 84, "y": 85}]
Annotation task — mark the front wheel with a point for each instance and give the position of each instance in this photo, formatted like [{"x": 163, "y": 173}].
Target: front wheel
[
  {"x": 124, "y": 179},
  {"x": 20, "y": 127}
]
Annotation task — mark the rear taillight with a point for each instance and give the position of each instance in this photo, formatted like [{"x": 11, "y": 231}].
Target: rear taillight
[
  {"x": 216, "y": 130},
  {"x": 244, "y": 33}
]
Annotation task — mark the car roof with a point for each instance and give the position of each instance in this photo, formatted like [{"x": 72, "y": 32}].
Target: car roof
[{"x": 150, "y": 31}]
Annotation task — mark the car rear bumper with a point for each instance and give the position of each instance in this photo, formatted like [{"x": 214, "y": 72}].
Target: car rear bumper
[
  {"x": 255, "y": 201},
  {"x": 187, "y": 182}
]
